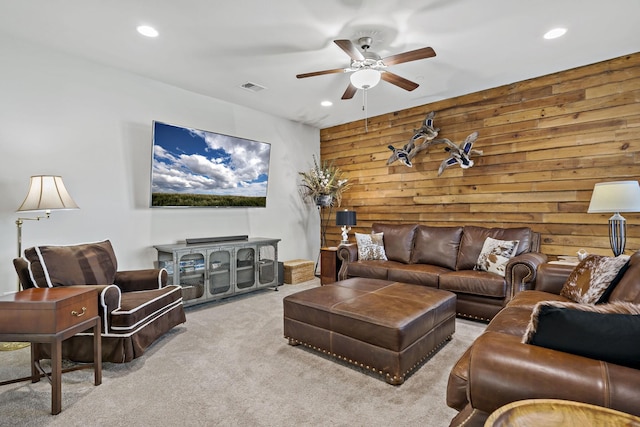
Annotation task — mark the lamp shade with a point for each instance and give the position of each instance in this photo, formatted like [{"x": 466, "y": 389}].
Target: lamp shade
[
  {"x": 615, "y": 196},
  {"x": 365, "y": 78},
  {"x": 47, "y": 192},
  {"x": 346, "y": 217}
]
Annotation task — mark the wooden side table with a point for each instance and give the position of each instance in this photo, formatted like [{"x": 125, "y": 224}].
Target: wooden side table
[
  {"x": 554, "y": 412},
  {"x": 50, "y": 316},
  {"x": 329, "y": 265}
]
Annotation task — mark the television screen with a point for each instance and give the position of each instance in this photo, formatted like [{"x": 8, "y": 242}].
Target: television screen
[{"x": 196, "y": 168}]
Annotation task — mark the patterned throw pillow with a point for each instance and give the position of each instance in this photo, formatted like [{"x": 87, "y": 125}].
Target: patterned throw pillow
[
  {"x": 496, "y": 254},
  {"x": 370, "y": 246},
  {"x": 591, "y": 278}
]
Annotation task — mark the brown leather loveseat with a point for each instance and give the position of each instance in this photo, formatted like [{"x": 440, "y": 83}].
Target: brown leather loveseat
[
  {"x": 444, "y": 258},
  {"x": 499, "y": 368}
]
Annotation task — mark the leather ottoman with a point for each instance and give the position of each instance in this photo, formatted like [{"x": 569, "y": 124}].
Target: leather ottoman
[{"x": 386, "y": 327}]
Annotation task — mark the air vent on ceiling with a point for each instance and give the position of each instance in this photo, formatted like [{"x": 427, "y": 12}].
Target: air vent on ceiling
[{"x": 252, "y": 87}]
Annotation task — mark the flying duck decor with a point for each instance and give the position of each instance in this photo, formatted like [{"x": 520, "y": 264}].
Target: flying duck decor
[
  {"x": 426, "y": 132},
  {"x": 458, "y": 154}
]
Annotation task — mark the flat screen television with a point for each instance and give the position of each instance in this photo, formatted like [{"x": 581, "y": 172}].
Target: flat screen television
[{"x": 197, "y": 168}]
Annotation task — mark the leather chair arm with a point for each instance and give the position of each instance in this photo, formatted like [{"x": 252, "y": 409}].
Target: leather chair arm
[
  {"x": 503, "y": 370},
  {"x": 551, "y": 277},
  {"x": 141, "y": 280},
  {"x": 521, "y": 272},
  {"x": 347, "y": 252}
]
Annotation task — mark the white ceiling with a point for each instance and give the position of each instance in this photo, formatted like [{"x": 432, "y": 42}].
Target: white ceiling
[{"x": 212, "y": 47}]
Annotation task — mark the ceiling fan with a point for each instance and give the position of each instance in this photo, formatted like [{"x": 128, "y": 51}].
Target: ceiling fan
[{"x": 368, "y": 68}]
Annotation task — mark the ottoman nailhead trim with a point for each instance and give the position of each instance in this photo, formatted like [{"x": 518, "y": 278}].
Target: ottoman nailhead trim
[{"x": 373, "y": 369}]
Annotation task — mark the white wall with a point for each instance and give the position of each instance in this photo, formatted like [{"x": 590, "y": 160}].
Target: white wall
[{"x": 91, "y": 124}]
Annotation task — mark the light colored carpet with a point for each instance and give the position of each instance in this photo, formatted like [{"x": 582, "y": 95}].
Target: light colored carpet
[{"x": 230, "y": 365}]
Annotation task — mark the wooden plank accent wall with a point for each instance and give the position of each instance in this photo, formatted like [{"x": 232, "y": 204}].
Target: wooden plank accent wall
[{"x": 546, "y": 142}]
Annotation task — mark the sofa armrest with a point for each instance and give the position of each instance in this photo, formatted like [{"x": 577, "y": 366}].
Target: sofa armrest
[
  {"x": 109, "y": 298},
  {"x": 347, "y": 252},
  {"x": 141, "y": 280},
  {"x": 521, "y": 272},
  {"x": 551, "y": 277},
  {"x": 503, "y": 370}
]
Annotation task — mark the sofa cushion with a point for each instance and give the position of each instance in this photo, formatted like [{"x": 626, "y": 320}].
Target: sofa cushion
[
  {"x": 474, "y": 282},
  {"x": 398, "y": 240},
  {"x": 138, "y": 309},
  {"x": 591, "y": 277},
  {"x": 375, "y": 269},
  {"x": 84, "y": 264},
  {"x": 436, "y": 246},
  {"x": 370, "y": 246},
  {"x": 608, "y": 332},
  {"x": 495, "y": 255},
  {"x": 418, "y": 274},
  {"x": 473, "y": 239}
]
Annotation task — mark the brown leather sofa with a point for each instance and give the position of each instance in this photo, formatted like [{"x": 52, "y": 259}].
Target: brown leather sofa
[
  {"x": 136, "y": 307},
  {"x": 444, "y": 258},
  {"x": 499, "y": 369}
]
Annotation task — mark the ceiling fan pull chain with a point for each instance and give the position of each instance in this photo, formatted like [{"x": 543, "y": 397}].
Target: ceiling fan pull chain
[{"x": 364, "y": 108}]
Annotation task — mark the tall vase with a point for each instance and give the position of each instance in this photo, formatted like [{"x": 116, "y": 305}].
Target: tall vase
[{"x": 323, "y": 200}]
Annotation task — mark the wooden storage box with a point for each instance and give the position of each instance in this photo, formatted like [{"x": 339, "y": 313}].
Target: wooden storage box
[{"x": 298, "y": 271}]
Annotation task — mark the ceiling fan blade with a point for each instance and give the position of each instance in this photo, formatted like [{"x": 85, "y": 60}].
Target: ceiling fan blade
[
  {"x": 320, "y": 73},
  {"x": 351, "y": 90},
  {"x": 401, "y": 82},
  {"x": 350, "y": 49},
  {"x": 413, "y": 55}
]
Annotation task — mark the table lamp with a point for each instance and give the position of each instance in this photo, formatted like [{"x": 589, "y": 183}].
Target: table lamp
[
  {"x": 615, "y": 197},
  {"x": 346, "y": 219}
]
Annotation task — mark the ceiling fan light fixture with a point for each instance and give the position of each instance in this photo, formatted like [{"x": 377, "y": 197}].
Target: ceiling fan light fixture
[{"x": 365, "y": 78}]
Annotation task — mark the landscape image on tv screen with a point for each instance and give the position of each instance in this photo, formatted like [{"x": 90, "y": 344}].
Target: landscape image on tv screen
[{"x": 196, "y": 168}]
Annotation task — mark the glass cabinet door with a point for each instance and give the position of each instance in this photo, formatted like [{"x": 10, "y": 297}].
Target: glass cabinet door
[
  {"x": 245, "y": 268},
  {"x": 192, "y": 275},
  {"x": 219, "y": 272},
  {"x": 267, "y": 265}
]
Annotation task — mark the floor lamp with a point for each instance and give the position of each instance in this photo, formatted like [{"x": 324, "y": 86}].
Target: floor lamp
[
  {"x": 46, "y": 193},
  {"x": 615, "y": 197}
]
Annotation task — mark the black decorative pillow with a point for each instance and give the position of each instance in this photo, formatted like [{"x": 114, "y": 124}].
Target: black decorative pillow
[
  {"x": 495, "y": 255},
  {"x": 370, "y": 246},
  {"x": 592, "y": 276},
  {"x": 608, "y": 332}
]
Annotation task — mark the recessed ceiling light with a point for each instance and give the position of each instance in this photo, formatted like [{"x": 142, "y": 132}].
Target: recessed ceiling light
[
  {"x": 326, "y": 103},
  {"x": 555, "y": 33},
  {"x": 147, "y": 31}
]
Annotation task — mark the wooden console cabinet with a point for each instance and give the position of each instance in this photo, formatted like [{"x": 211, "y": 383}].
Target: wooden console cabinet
[
  {"x": 212, "y": 271},
  {"x": 329, "y": 265}
]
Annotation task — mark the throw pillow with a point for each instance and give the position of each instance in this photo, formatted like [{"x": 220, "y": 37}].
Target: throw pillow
[
  {"x": 591, "y": 278},
  {"x": 84, "y": 264},
  {"x": 370, "y": 246},
  {"x": 608, "y": 332},
  {"x": 607, "y": 293},
  {"x": 495, "y": 255}
]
